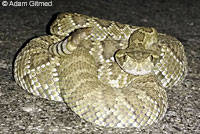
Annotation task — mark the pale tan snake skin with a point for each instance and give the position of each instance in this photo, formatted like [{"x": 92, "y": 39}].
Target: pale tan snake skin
[{"x": 108, "y": 73}]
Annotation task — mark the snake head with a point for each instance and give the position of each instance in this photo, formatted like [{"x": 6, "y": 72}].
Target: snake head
[{"x": 136, "y": 62}]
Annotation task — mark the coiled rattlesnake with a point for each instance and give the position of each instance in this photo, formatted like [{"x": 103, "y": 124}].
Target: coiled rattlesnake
[{"x": 108, "y": 73}]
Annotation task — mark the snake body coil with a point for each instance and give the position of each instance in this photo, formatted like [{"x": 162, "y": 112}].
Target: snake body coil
[{"x": 108, "y": 73}]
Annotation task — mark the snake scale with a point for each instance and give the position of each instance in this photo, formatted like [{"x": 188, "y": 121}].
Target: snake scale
[{"x": 110, "y": 74}]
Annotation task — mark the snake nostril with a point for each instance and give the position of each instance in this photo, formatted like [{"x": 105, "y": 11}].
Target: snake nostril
[{"x": 124, "y": 57}]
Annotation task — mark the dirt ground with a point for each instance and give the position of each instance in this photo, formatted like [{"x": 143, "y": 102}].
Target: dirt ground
[{"x": 22, "y": 113}]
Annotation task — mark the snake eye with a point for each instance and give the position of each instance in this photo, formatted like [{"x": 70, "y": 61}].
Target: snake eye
[
  {"x": 120, "y": 57},
  {"x": 154, "y": 58},
  {"x": 151, "y": 58},
  {"x": 124, "y": 57}
]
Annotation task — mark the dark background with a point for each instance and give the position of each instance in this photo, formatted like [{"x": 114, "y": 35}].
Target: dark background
[{"x": 21, "y": 112}]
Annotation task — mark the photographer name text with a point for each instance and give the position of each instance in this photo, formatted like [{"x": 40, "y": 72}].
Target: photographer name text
[{"x": 26, "y": 4}]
